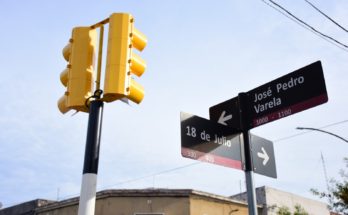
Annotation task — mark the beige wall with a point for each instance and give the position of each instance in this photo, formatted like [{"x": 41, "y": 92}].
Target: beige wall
[
  {"x": 65, "y": 210},
  {"x": 130, "y": 206},
  {"x": 193, "y": 205},
  {"x": 280, "y": 198},
  {"x": 201, "y": 206}
]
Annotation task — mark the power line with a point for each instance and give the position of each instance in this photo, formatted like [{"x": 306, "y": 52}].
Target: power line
[
  {"x": 140, "y": 178},
  {"x": 192, "y": 164},
  {"x": 196, "y": 163},
  {"x": 302, "y": 25},
  {"x": 305, "y": 25},
  {"x": 152, "y": 175},
  {"x": 316, "y": 8},
  {"x": 289, "y": 17},
  {"x": 335, "y": 123}
]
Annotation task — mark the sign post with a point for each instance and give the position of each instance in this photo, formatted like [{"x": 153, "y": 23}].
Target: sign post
[
  {"x": 297, "y": 91},
  {"x": 249, "y": 174}
]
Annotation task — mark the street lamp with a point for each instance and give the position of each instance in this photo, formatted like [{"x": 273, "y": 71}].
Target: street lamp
[{"x": 316, "y": 129}]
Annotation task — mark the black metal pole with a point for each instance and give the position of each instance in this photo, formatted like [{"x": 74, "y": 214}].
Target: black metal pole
[
  {"x": 249, "y": 169},
  {"x": 91, "y": 160},
  {"x": 93, "y": 137}
]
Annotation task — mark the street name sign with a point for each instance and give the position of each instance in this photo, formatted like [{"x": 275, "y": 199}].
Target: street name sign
[
  {"x": 226, "y": 113},
  {"x": 208, "y": 141},
  {"x": 297, "y": 91},
  {"x": 263, "y": 156}
]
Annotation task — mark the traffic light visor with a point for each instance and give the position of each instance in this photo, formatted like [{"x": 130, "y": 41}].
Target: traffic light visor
[
  {"x": 64, "y": 76},
  {"x": 67, "y": 51},
  {"x": 62, "y": 105},
  {"x": 139, "y": 40},
  {"x": 137, "y": 65},
  {"x": 136, "y": 93}
]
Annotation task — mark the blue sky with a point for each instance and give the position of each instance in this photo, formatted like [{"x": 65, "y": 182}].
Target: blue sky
[{"x": 199, "y": 53}]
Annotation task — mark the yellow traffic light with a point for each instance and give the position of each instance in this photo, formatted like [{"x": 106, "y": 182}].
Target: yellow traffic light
[
  {"x": 121, "y": 61},
  {"x": 78, "y": 76}
]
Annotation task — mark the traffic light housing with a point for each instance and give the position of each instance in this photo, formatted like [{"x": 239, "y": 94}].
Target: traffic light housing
[
  {"x": 78, "y": 76},
  {"x": 121, "y": 60}
]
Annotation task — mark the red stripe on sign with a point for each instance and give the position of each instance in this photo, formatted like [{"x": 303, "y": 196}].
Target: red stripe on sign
[
  {"x": 290, "y": 110},
  {"x": 210, "y": 158}
]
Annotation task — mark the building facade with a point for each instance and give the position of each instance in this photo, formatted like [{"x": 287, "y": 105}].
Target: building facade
[
  {"x": 272, "y": 200},
  {"x": 172, "y": 202},
  {"x": 144, "y": 202}
]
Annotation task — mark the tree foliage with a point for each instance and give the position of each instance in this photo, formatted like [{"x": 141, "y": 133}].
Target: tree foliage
[
  {"x": 283, "y": 211},
  {"x": 299, "y": 210},
  {"x": 337, "y": 194}
]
